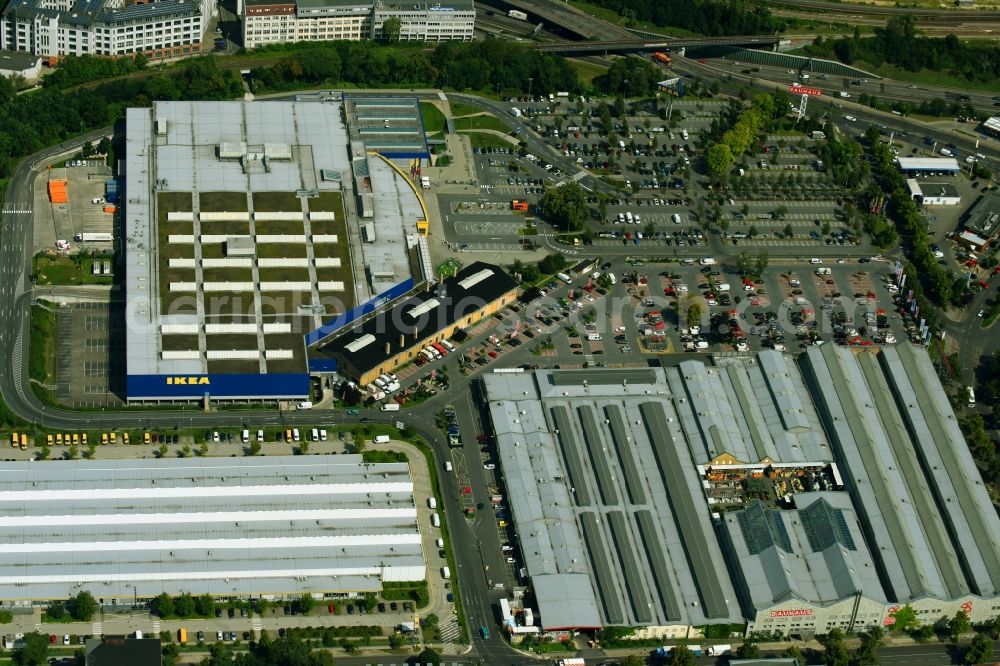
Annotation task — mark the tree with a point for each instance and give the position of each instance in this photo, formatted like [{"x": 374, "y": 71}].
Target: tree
[
  {"x": 395, "y": 641},
  {"x": 34, "y": 651},
  {"x": 787, "y": 231},
  {"x": 56, "y": 610},
  {"x": 184, "y": 605},
  {"x": 979, "y": 650},
  {"x": 760, "y": 263},
  {"x": 633, "y": 660},
  {"x": 44, "y": 453},
  {"x": 867, "y": 654},
  {"x": 306, "y": 603},
  {"x": 681, "y": 656},
  {"x": 83, "y": 606},
  {"x": 565, "y": 207},
  {"x": 958, "y": 625},
  {"x": 163, "y": 605},
  {"x": 254, "y": 448},
  {"x": 748, "y": 650},
  {"x": 391, "y": 29},
  {"x": 752, "y": 232},
  {"x": 835, "y": 653},
  {"x": 304, "y": 447},
  {"x": 695, "y": 311},
  {"x": 719, "y": 159},
  {"x": 429, "y": 656},
  {"x": 104, "y": 146},
  {"x": 204, "y": 605},
  {"x": 780, "y": 212},
  {"x": 793, "y": 652},
  {"x": 161, "y": 451}
]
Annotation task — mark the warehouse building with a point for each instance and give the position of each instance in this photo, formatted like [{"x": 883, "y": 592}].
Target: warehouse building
[
  {"x": 924, "y": 510},
  {"x": 275, "y": 21},
  {"x": 162, "y": 29},
  {"x": 236, "y": 245},
  {"x": 270, "y": 527},
  {"x": 382, "y": 343},
  {"x": 833, "y": 490},
  {"x": 623, "y": 538}
]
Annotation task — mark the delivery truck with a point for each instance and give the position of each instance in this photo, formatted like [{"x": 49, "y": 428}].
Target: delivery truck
[
  {"x": 390, "y": 407},
  {"x": 91, "y": 237}
]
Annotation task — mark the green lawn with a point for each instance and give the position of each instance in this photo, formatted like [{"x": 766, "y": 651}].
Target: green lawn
[
  {"x": 276, "y": 201},
  {"x": 42, "y": 363},
  {"x": 433, "y": 118},
  {"x": 285, "y": 227},
  {"x": 482, "y": 122},
  {"x": 284, "y": 275},
  {"x": 484, "y": 140},
  {"x": 276, "y": 250},
  {"x": 328, "y": 201},
  {"x": 179, "y": 342},
  {"x": 227, "y": 274},
  {"x": 587, "y": 71},
  {"x": 219, "y": 202},
  {"x": 63, "y": 270},
  {"x": 462, "y": 109}
]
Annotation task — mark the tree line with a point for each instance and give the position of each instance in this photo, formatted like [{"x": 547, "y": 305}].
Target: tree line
[
  {"x": 898, "y": 44},
  {"x": 54, "y": 114},
  {"x": 484, "y": 65},
  {"x": 726, "y": 17}
]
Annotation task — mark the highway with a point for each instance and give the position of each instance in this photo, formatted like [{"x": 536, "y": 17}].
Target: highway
[
  {"x": 571, "y": 20},
  {"x": 637, "y": 45}
]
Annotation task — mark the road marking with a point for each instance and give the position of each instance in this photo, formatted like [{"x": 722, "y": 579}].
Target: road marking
[{"x": 96, "y": 629}]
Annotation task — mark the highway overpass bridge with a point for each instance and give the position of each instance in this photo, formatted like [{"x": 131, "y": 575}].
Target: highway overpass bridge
[
  {"x": 634, "y": 45},
  {"x": 572, "y": 21}
]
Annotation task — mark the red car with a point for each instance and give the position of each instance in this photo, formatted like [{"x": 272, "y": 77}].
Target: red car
[
  {"x": 331, "y": 609},
  {"x": 492, "y": 354},
  {"x": 482, "y": 438},
  {"x": 52, "y": 639}
]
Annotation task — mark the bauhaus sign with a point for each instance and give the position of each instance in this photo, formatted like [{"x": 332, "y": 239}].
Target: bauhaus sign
[
  {"x": 794, "y": 612},
  {"x": 802, "y": 90}
]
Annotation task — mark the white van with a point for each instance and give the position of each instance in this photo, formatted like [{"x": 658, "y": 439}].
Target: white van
[
  {"x": 445, "y": 573},
  {"x": 612, "y": 278},
  {"x": 432, "y": 503},
  {"x": 723, "y": 287},
  {"x": 381, "y": 439},
  {"x": 448, "y": 467},
  {"x": 314, "y": 433},
  {"x": 390, "y": 407},
  {"x": 676, "y": 217},
  {"x": 447, "y": 345},
  {"x": 594, "y": 337},
  {"x": 435, "y": 520},
  {"x": 815, "y": 260},
  {"x": 707, "y": 261},
  {"x": 304, "y": 405},
  {"x": 245, "y": 435},
  {"x": 439, "y": 542}
]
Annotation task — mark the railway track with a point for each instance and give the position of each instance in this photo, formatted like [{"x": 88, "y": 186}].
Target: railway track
[{"x": 926, "y": 16}]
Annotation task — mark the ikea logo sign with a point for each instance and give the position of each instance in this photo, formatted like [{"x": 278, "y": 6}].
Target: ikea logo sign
[{"x": 187, "y": 381}]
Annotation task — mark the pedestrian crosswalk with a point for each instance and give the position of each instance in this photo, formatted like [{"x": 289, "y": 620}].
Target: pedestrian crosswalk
[
  {"x": 449, "y": 630},
  {"x": 256, "y": 624},
  {"x": 579, "y": 175},
  {"x": 156, "y": 627},
  {"x": 96, "y": 630}
]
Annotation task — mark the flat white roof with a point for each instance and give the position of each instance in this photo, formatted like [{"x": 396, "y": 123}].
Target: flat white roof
[
  {"x": 928, "y": 163},
  {"x": 257, "y": 526}
]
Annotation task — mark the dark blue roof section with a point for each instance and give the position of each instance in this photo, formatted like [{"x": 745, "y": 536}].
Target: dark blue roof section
[{"x": 234, "y": 386}]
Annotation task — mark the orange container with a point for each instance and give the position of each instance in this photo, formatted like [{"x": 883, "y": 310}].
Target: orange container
[
  {"x": 110, "y": 209},
  {"x": 57, "y": 191}
]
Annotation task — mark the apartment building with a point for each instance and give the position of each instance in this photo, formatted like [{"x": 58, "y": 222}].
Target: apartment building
[
  {"x": 270, "y": 22},
  {"x": 57, "y": 28}
]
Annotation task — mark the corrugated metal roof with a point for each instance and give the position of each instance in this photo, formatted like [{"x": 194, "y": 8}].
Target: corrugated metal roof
[{"x": 226, "y": 526}]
